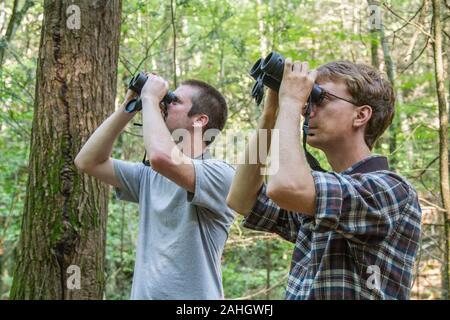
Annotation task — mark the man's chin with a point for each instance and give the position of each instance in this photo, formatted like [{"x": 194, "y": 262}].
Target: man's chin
[{"x": 312, "y": 141}]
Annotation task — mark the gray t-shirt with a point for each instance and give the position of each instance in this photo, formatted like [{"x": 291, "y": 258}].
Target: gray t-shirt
[{"x": 181, "y": 234}]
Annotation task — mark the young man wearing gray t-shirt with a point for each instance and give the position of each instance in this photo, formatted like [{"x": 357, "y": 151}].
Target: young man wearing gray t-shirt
[{"x": 184, "y": 220}]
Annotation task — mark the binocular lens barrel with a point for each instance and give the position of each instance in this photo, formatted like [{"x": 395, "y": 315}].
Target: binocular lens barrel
[
  {"x": 138, "y": 81},
  {"x": 273, "y": 65},
  {"x": 169, "y": 97},
  {"x": 256, "y": 69},
  {"x": 136, "y": 84},
  {"x": 269, "y": 72}
]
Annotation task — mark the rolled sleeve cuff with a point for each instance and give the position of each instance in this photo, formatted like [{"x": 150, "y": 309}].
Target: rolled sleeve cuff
[
  {"x": 328, "y": 201},
  {"x": 263, "y": 215}
]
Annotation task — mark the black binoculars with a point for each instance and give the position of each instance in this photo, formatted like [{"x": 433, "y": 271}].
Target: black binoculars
[
  {"x": 136, "y": 84},
  {"x": 269, "y": 72}
]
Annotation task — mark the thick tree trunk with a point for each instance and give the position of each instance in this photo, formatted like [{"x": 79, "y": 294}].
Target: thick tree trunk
[
  {"x": 443, "y": 137},
  {"x": 64, "y": 220}
]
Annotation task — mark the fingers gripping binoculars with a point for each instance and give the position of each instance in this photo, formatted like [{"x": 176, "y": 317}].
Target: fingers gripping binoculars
[
  {"x": 136, "y": 84},
  {"x": 269, "y": 72}
]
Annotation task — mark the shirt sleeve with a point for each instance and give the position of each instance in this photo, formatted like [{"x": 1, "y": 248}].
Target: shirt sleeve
[
  {"x": 212, "y": 183},
  {"x": 129, "y": 174},
  {"x": 268, "y": 216},
  {"x": 364, "y": 208}
]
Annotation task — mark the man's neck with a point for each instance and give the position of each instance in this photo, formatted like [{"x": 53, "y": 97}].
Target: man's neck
[{"x": 347, "y": 154}]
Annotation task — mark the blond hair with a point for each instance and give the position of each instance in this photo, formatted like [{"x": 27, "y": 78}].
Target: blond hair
[{"x": 367, "y": 86}]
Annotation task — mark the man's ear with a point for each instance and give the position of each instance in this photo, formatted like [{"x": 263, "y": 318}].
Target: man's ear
[
  {"x": 200, "y": 120},
  {"x": 363, "y": 115}
]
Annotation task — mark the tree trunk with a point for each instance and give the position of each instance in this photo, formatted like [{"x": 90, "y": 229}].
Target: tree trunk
[
  {"x": 390, "y": 70},
  {"x": 174, "y": 42},
  {"x": 64, "y": 219},
  {"x": 374, "y": 31},
  {"x": 374, "y": 48},
  {"x": 443, "y": 137}
]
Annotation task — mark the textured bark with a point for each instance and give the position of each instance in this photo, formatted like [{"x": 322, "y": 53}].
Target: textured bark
[
  {"x": 64, "y": 219},
  {"x": 374, "y": 40},
  {"x": 443, "y": 137},
  {"x": 390, "y": 71}
]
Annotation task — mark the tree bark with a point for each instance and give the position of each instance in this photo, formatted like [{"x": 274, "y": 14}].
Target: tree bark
[
  {"x": 390, "y": 71},
  {"x": 64, "y": 219},
  {"x": 374, "y": 32},
  {"x": 443, "y": 137}
]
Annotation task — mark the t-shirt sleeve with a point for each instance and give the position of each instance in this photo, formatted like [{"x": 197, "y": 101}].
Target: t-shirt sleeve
[
  {"x": 364, "y": 208},
  {"x": 129, "y": 174},
  {"x": 212, "y": 183}
]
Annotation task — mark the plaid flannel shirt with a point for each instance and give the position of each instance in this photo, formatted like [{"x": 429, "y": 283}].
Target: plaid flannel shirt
[{"x": 362, "y": 241}]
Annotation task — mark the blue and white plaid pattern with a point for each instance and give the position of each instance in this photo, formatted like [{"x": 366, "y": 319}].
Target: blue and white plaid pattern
[{"x": 362, "y": 242}]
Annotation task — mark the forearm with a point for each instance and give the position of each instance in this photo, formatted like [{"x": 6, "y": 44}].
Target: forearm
[
  {"x": 99, "y": 146},
  {"x": 249, "y": 178},
  {"x": 293, "y": 190},
  {"x": 290, "y": 153},
  {"x": 157, "y": 138}
]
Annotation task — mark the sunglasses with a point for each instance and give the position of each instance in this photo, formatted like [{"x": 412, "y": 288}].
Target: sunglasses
[{"x": 329, "y": 94}]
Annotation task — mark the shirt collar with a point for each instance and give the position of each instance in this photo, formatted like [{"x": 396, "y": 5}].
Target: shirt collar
[{"x": 369, "y": 164}]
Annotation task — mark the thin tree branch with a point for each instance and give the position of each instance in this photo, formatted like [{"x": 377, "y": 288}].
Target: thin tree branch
[
  {"x": 265, "y": 290},
  {"x": 419, "y": 27},
  {"x": 412, "y": 18},
  {"x": 433, "y": 205}
]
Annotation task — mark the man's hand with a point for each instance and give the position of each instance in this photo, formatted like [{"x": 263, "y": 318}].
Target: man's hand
[
  {"x": 296, "y": 84},
  {"x": 155, "y": 88},
  {"x": 130, "y": 95}
]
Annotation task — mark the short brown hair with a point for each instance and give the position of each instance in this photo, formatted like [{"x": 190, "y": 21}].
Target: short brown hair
[
  {"x": 208, "y": 101},
  {"x": 368, "y": 86}
]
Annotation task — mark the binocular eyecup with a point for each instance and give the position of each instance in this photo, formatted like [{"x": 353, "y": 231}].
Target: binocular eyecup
[
  {"x": 136, "y": 84},
  {"x": 269, "y": 72}
]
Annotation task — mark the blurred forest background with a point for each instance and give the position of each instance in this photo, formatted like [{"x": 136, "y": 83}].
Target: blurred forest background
[{"x": 218, "y": 41}]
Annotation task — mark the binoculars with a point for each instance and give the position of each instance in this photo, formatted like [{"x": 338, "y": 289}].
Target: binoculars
[
  {"x": 136, "y": 84},
  {"x": 269, "y": 72}
]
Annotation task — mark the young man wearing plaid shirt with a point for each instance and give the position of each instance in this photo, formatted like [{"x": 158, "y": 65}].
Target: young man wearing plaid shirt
[{"x": 356, "y": 228}]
